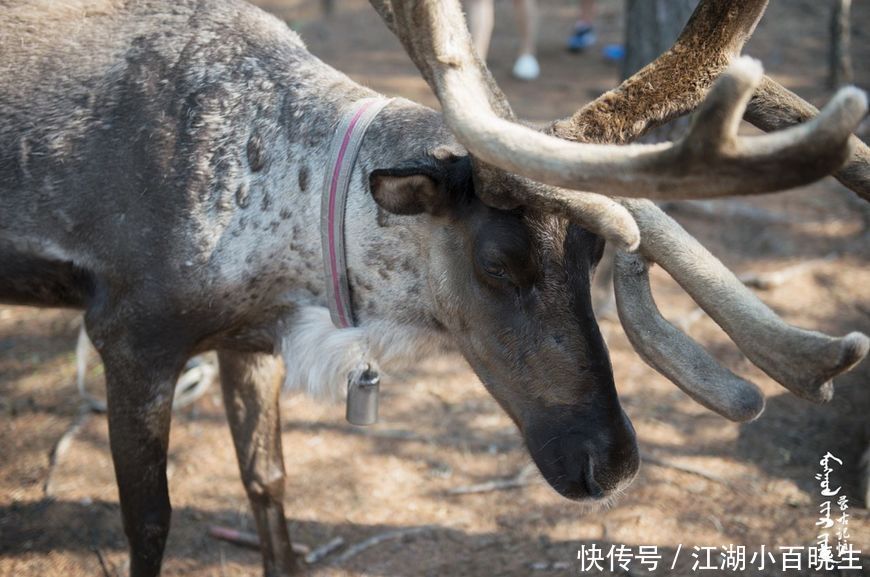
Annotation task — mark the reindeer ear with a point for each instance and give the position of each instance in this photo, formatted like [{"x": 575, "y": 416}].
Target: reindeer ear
[
  {"x": 408, "y": 190},
  {"x": 431, "y": 184}
]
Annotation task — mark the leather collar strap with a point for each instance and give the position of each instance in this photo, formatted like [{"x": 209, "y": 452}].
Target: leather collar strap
[{"x": 345, "y": 147}]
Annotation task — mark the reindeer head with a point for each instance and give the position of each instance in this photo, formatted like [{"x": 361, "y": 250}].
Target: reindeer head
[
  {"x": 516, "y": 261},
  {"x": 512, "y": 289}
]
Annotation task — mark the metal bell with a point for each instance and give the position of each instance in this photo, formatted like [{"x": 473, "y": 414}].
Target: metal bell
[{"x": 362, "y": 397}]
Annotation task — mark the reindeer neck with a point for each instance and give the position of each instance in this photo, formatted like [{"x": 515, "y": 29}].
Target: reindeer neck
[
  {"x": 387, "y": 258},
  {"x": 272, "y": 240}
]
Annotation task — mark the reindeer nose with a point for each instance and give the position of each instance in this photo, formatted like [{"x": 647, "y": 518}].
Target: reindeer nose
[
  {"x": 588, "y": 461},
  {"x": 580, "y": 474},
  {"x": 580, "y": 470},
  {"x": 592, "y": 487}
]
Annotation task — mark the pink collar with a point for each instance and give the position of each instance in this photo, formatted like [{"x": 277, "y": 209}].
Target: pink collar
[{"x": 345, "y": 147}]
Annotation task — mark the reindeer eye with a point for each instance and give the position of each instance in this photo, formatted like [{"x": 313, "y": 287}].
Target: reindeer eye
[{"x": 494, "y": 269}]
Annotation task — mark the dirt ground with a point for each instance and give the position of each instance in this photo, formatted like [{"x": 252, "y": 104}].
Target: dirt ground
[{"x": 440, "y": 429}]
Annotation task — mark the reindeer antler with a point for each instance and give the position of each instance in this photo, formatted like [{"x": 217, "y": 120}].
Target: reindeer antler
[
  {"x": 707, "y": 163},
  {"x": 712, "y": 160},
  {"x": 802, "y": 361},
  {"x": 774, "y": 107},
  {"x": 673, "y": 353},
  {"x": 661, "y": 91},
  {"x": 436, "y": 38}
]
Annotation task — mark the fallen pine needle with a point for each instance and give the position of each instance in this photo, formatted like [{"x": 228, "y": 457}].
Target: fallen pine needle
[
  {"x": 548, "y": 566},
  {"x": 240, "y": 538},
  {"x": 61, "y": 448},
  {"x": 374, "y": 540},
  {"x": 246, "y": 539},
  {"x": 521, "y": 479},
  {"x": 319, "y": 553},
  {"x": 103, "y": 565},
  {"x": 773, "y": 279},
  {"x": 691, "y": 469}
]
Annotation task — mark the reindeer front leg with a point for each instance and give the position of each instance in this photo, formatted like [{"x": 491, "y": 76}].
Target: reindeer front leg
[
  {"x": 140, "y": 381},
  {"x": 251, "y": 386}
]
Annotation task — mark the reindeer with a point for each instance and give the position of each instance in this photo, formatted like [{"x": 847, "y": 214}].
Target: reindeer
[{"x": 161, "y": 168}]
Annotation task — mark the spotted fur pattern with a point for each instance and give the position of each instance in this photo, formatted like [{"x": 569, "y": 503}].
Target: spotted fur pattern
[{"x": 179, "y": 163}]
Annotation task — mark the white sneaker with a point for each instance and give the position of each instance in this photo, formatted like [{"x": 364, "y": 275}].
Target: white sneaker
[{"x": 526, "y": 67}]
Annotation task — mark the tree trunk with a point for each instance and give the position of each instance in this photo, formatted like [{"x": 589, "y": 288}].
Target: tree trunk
[
  {"x": 841, "y": 61},
  {"x": 651, "y": 26}
]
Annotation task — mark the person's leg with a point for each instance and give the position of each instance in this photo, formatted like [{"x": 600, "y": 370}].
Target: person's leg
[
  {"x": 480, "y": 22},
  {"x": 527, "y": 25},
  {"x": 584, "y": 30},
  {"x": 526, "y": 66},
  {"x": 587, "y": 11}
]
